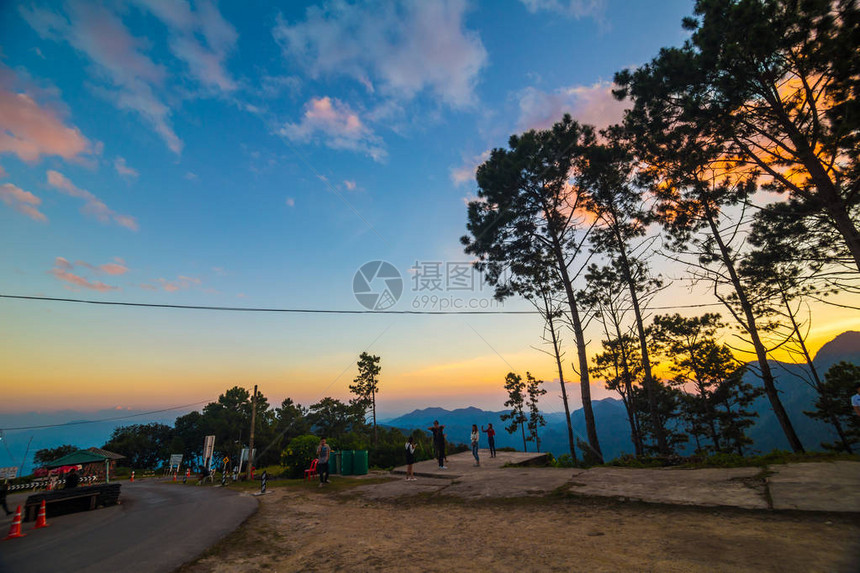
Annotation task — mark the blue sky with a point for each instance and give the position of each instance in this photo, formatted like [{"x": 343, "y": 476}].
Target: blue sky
[{"x": 244, "y": 154}]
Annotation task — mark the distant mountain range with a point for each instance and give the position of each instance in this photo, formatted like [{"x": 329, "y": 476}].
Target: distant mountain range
[
  {"x": 613, "y": 430},
  {"x": 19, "y": 446},
  {"x": 798, "y": 395}
]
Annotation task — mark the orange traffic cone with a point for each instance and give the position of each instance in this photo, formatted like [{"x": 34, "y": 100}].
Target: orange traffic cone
[
  {"x": 41, "y": 520},
  {"x": 174, "y": 476},
  {"x": 15, "y": 530},
  {"x": 132, "y": 477}
]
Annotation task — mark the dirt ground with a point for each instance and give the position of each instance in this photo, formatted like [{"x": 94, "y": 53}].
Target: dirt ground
[{"x": 325, "y": 529}]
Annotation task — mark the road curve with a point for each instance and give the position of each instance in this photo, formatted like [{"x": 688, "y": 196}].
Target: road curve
[{"x": 157, "y": 528}]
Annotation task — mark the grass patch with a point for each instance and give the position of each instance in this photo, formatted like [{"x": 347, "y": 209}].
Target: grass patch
[{"x": 336, "y": 484}]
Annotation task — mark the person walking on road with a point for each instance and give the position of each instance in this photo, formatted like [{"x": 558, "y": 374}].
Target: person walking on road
[
  {"x": 323, "y": 452},
  {"x": 476, "y": 435},
  {"x": 410, "y": 459},
  {"x": 491, "y": 439},
  {"x": 439, "y": 442}
]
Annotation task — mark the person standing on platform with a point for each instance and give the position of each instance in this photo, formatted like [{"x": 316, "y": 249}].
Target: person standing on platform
[
  {"x": 491, "y": 439},
  {"x": 439, "y": 443},
  {"x": 476, "y": 436},
  {"x": 410, "y": 459}
]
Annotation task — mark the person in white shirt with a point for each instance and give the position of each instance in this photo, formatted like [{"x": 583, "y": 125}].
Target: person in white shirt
[
  {"x": 410, "y": 459},
  {"x": 475, "y": 437}
]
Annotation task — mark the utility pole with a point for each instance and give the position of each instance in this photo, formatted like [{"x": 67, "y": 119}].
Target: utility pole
[{"x": 253, "y": 420}]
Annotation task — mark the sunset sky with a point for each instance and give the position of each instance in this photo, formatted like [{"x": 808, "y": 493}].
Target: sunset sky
[{"x": 243, "y": 155}]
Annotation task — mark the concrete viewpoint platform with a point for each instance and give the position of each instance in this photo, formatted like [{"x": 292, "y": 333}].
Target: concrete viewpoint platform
[
  {"x": 815, "y": 486},
  {"x": 459, "y": 465}
]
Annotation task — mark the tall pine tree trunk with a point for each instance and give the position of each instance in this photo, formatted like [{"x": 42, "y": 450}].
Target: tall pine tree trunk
[
  {"x": 557, "y": 354},
  {"x": 523, "y": 429},
  {"x": 812, "y": 369},
  {"x": 590, "y": 426},
  {"x": 635, "y": 431},
  {"x": 650, "y": 389},
  {"x": 752, "y": 330}
]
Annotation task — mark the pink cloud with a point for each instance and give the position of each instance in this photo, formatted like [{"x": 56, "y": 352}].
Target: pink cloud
[
  {"x": 31, "y": 131},
  {"x": 123, "y": 169},
  {"x": 400, "y": 48},
  {"x": 124, "y": 72},
  {"x": 117, "y": 267},
  {"x": 92, "y": 205},
  {"x": 100, "y": 34},
  {"x": 571, "y": 8},
  {"x": 181, "y": 283},
  {"x": 466, "y": 172},
  {"x": 593, "y": 104},
  {"x": 113, "y": 269},
  {"x": 63, "y": 271},
  {"x": 200, "y": 37},
  {"x": 337, "y": 125},
  {"x": 22, "y": 201}
]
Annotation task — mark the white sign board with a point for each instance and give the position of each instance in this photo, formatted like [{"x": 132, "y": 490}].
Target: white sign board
[
  {"x": 208, "y": 447},
  {"x": 9, "y": 473},
  {"x": 175, "y": 460},
  {"x": 244, "y": 457}
]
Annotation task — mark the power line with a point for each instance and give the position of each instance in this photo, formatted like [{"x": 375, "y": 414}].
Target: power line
[
  {"x": 261, "y": 309},
  {"x": 125, "y": 417},
  {"x": 307, "y": 310}
]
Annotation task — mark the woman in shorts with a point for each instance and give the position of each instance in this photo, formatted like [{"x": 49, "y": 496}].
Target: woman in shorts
[{"x": 410, "y": 459}]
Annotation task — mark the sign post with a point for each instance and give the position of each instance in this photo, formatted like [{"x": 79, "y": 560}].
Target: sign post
[
  {"x": 175, "y": 461},
  {"x": 208, "y": 450},
  {"x": 224, "y": 469},
  {"x": 9, "y": 473},
  {"x": 245, "y": 456}
]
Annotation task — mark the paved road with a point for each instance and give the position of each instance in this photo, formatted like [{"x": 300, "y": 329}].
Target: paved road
[{"x": 158, "y": 527}]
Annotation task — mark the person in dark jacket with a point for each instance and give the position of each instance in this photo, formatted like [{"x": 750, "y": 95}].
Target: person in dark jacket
[
  {"x": 73, "y": 479},
  {"x": 439, "y": 442},
  {"x": 4, "y": 491}
]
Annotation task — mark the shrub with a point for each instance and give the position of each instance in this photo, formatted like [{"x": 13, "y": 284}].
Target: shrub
[
  {"x": 297, "y": 457},
  {"x": 562, "y": 461}
]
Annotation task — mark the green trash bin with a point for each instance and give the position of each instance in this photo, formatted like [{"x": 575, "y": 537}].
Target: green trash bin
[
  {"x": 334, "y": 463},
  {"x": 346, "y": 461},
  {"x": 359, "y": 463}
]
